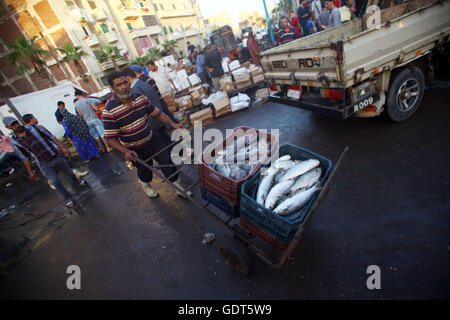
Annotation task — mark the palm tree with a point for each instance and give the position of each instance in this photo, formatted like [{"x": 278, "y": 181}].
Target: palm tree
[
  {"x": 74, "y": 54},
  {"x": 141, "y": 61},
  {"x": 169, "y": 45},
  {"x": 154, "y": 54},
  {"x": 24, "y": 50},
  {"x": 108, "y": 53}
]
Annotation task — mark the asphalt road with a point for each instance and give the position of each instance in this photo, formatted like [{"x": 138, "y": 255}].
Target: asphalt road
[{"x": 388, "y": 206}]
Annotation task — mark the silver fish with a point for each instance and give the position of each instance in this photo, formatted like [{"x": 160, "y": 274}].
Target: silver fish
[
  {"x": 307, "y": 180},
  {"x": 299, "y": 169},
  {"x": 296, "y": 202},
  {"x": 277, "y": 192},
  {"x": 265, "y": 185},
  {"x": 223, "y": 169}
]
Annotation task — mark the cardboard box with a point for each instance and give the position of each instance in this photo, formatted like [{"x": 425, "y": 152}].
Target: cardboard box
[
  {"x": 262, "y": 93},
  {"x": 241, "y": 77},
  {"x": 227, "y": 85},
  {"x": 234, "y": 65},
  {"x": 222, "y": 103},
  {"x": 184, "y": 83},
  {"x": 223, "y": 111},
  {"x": 243, "y": 85},
  {"x": 246, "y": 64},
  {"x": 169, "y": 100},
  {"x": 173, "y": 109},
  {"x": 184, "y": 102},
  {"x": 257, "y": 79},
  {"x": 194, "y": 79},
  {"x": 225, "y": 67},
  {"x": 204, "y": 114},
  {"x": 180, "y": 116}
]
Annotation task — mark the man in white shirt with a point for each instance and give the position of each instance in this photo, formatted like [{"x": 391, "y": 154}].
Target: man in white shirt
[
  {"x": 161, "y": 78},
  {"x": 316, "y": 7}
]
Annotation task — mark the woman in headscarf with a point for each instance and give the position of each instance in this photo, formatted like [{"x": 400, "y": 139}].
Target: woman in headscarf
[
  {"x": 77, "y": 130},
  {"x": 253, "y": 48}
]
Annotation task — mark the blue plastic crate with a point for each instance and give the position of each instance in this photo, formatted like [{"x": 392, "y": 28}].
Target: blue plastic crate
[
  {"x": 221, "y": 203},
  {"x": 278, "y": 226}
]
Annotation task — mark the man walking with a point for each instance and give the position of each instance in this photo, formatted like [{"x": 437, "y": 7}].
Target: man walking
[
  {"x": 214, "y": 65},
  {"x": 200, "y": 68},
  {"x": 303, "y": 15},
  {"x": 128, "y": 130},
  {"x": 86, "y": 108},
  {"x": 35, "y": 143}
]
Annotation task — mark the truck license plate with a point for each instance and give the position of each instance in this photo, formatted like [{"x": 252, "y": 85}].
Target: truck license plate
[
  {"x": 294, "y": 94},
  {"x": 362, "y": 104}
]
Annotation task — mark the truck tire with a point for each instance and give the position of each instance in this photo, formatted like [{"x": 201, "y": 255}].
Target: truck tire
[{"x": 405, "y": 94}]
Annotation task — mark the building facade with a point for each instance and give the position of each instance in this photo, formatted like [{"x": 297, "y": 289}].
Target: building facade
[{"x": 130, "y": 27}]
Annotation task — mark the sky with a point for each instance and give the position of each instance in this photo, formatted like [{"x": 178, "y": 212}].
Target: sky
[{"x": 212, "y": 7}]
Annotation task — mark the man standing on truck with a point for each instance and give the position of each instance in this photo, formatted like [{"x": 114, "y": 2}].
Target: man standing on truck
[
  {"x": 129, "y": 131},
  {"x": 286, "y": 33},
  {"x": 303, "y": 14},
  {"x": 335, "y": 15}
]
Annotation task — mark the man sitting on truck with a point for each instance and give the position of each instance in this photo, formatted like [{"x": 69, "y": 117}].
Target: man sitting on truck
[{"x": 287, "y": 33}]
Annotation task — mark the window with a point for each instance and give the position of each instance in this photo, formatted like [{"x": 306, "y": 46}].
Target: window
[
  {"x": 174, "y": 6},
  {"x": 170, "y": 29},
  {"x": 104, "y": 28},
  {"x": 85, "y": 31},
  {"x": 156, "y": 7},
  {"x": 157, "y": 40},
  {"x": 92, "y": 4},
  {"x": 69, "y": 3},
  {"x": 130, "y": 27},
  {"x": 165, "y": 30},
  {"x": 162, "y": 7},
  {"x": 150, "y": 20}
]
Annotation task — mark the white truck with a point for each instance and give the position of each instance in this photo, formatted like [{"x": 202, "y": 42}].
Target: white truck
[{"x": 377, "y": 62}]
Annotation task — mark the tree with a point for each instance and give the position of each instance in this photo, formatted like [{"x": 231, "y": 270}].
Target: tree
[
  {"x": 108, "y": 53},
  {"x": 169, "y": 45},
  {"x": 154, "y": 54},
  {"x": 74, "y": 54},
  {"x": 24, "y": 50}
]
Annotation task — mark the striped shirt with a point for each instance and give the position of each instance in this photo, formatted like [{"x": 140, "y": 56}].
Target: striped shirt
[
  {"x": 35, "y": 145},
  {"x": 287, "y": 35},
  {"x": 129, "y": 124}
]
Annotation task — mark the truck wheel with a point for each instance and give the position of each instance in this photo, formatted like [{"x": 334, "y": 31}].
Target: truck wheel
[
  {"x": 405, "y": 94},
  {"x": 235, "y": 253}
]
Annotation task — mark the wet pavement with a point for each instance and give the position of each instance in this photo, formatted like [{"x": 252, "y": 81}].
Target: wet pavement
[{"x": 388, "y": 206}]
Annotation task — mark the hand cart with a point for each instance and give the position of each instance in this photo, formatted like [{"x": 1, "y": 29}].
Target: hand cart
[{"x": 237, "y": 250}]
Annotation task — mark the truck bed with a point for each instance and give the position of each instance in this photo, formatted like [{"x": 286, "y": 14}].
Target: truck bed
[{"x": 342, "y": 56}]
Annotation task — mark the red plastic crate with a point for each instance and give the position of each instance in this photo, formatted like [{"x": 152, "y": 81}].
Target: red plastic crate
[
  {"x": 265, "y": 236},
  {"x": 226, "y": 187}
]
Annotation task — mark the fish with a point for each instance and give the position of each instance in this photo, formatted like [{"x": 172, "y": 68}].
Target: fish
[
  {"x": 299, "y": 169},
  {"x": 296, "y": 202},
  {"x": 284, "y": 165},
  {"x": 265, "y": 185},
  {"x": 277, "y": 192},
  {"x": 307, "y": 180},
  {"x": 223, "y": 169}
]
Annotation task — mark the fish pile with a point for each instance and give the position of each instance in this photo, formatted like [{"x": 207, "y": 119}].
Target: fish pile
[
  {"x": 241, "y": 157},
  {"x": 288, "y": 185}
]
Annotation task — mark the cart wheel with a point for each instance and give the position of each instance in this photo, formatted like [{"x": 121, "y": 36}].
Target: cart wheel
[{"x": 235, "y": 253}]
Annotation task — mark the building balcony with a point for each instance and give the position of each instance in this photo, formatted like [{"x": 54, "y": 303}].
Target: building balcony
[
  {"x": 188, "y": 33},
  {"x": 151, "y": 30},
  {"x": 80, "y": 15},
  {"x": 110, "y": 36},
  {"x": 176, "y": 13},
  {"x": 129, "y": 13},
  {"x": 108, "y": 65},
  {"x": 92, "y": 40},
  {"x": 99, "y": 14}
]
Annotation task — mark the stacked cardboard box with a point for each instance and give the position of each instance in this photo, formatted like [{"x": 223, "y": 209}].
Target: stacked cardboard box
[
  {"x": 184, "y": 102},
  {"x": 203, "y": 115},
  {"x": 227, "y": 85},
  {"x": 234, "y": 65},
  {"x": 257, "y": 74},
  {"x": 222, "y": 107},
  {"x": 170, "y": 101},
  {"x": 262, "y": 93},
  {"x": 246, "y": 64},
  {"x": 242, "y": 78},
  {"x": 197, "y": 94}
]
